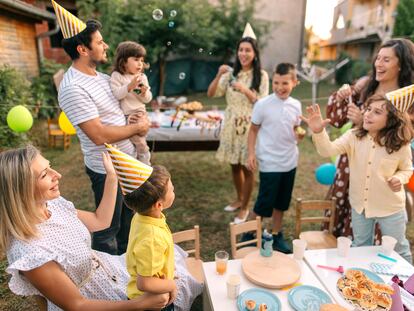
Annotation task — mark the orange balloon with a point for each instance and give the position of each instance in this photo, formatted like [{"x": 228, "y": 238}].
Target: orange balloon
[{"x": 410, "y": 184}]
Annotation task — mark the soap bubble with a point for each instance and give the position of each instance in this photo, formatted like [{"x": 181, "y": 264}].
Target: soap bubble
[
  {"x": 168, "y": 43},
  {"x": 200, "y": 50},
  {"x": 173, "y": 13},
  {"x": 171, "y": 24},
  {"x": 181, "y": 76},
  {"x": 157, "y": 14}
]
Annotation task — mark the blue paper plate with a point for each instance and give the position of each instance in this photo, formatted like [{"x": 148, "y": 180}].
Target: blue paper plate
[
  {"x": 260, "y": 296},
  {"x": 370, "y": 275},
  {"x": 306, "y": 297}
]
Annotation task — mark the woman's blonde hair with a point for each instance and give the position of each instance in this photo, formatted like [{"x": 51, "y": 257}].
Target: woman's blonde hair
[{"x": 18, "y": 212}]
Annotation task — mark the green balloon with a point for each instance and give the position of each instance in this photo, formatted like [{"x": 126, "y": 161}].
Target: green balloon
[
  {"x": 19, "y": 119},
  {"x": 346, "y": 127}
]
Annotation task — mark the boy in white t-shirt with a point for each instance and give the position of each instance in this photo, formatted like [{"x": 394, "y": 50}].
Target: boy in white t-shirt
[{"x": 275, "y": 126}]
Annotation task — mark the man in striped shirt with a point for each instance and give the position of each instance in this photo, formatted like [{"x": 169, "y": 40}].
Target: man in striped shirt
[{"x": 86, "y": 98}]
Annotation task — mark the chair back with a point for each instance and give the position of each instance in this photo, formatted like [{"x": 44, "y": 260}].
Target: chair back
[
  {"x": 189, "y": 235},
  {"x": 312, "y": 205},
  {"x": 248, "y": 226}
]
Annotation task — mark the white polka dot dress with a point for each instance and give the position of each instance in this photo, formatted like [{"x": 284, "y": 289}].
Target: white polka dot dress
[{"x": 63, "y": 238}]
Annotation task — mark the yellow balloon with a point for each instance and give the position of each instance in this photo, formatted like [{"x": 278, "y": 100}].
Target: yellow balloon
[{"x": 65, "y": 124}]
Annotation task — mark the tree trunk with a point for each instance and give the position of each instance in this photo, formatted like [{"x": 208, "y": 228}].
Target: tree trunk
[{"x": 162, "y": 64}]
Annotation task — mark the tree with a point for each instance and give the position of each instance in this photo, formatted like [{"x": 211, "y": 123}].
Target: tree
[
  {"x": 186, "y": 28},
  {"x": 404, "y": 23}
]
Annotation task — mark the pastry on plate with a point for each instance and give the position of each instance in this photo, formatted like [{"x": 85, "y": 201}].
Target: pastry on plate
[
  {"x": 351, "y": 293},
  {"x": 250, "y": 304},
  {"x": 355, "y": 275},
  {"x": 368, "y": 302},
  {"x": 341, "y": 283},
  {"x": 383, "y": 288},
  {"x": 383, "y": 300},
  {"x": 263, "y": 307}
]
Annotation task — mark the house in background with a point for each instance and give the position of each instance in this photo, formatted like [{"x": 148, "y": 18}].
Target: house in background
[
  {"x": 19, "y": 38},
  {"x": 285, "y": 41},
  {"x": 359, "y": 27}
]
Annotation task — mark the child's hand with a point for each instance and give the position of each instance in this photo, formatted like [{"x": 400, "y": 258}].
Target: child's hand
[
  {"x": 154, "y": 301},
  {"x": 173, "y": 295},
  {"x": 314, "y": 119},
  {"x": 299, "y": 133},
  {"x": 109, "y": 167},
  {"x": 251, "y": 162},
  {"x": 394, "y": 183},
  {"x": 136, "y": 80},
  {"x": 144, "y": 89}
]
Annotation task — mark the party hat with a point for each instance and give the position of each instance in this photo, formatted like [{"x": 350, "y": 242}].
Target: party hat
[
  {"x": 131, "y": 172},
  {"x": 248, "y": 32},
  {"x": 403, "y": 98},
  {"x": 69, "y": 23},
  {"x": 397, "y": 304}
]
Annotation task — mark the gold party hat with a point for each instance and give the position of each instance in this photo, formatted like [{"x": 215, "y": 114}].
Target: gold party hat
[
  {"x": 69, "y": 23},
  {"x": 131, "y": 172},
  {"x": 248, "y": 32},
  {"x": 402, "y": 99}
]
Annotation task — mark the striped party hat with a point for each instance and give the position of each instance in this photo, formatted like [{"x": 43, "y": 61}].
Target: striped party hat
[
  {"x": 402, "y": 99},
  {"x": 69, "y": 23},
  {"x": 131, "y": 172}
]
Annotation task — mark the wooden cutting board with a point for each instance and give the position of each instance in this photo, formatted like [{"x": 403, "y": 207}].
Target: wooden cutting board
[{"x": 272, "y": 272}]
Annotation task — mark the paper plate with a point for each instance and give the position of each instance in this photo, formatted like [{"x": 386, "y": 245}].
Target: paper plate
[
  {"x": 370, "y": 275},
  {"x": 306, "y": 297},
  {"x": 260, "y": 296}
]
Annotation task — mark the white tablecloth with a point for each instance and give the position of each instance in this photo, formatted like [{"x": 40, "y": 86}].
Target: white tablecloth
[
  {"x": 189, "y": 130},
  {"x": 215, "y": 297}
]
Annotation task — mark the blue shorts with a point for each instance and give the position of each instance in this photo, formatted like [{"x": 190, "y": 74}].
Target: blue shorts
[{"x": 275, "y": 192}]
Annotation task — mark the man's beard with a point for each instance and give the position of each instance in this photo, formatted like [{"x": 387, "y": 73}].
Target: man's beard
[{"x": 97, "y": 62}]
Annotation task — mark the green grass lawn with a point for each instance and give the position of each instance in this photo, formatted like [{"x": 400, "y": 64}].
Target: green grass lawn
[{"x": 203, "y": 186}]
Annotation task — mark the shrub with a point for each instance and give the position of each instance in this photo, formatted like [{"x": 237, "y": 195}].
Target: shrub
[
  {"x": 14, "y": 90},
  {"x": 44, "y": 91}
]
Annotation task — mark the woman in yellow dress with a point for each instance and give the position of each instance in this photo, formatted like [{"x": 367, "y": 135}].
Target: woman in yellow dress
[{"x": 242, "y": 85}]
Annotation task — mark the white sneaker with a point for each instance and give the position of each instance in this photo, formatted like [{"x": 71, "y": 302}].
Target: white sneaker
[
  {"x": 238, "y": 220},
  {"x": 230, "y": 208}
]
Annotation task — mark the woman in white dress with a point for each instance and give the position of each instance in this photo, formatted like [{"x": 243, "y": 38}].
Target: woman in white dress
[{"x": 48, "y": 242}]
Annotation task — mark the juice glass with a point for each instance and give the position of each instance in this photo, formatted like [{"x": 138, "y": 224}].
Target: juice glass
[{"x": 221, "y": 262}]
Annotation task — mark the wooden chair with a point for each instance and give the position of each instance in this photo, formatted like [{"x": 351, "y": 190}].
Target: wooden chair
[
  {"x": 55, "y": 134},
  {"x": 237, "y": 251},
  {"x": 316, "y": 239},
  {"x": 194, "y": 264}
]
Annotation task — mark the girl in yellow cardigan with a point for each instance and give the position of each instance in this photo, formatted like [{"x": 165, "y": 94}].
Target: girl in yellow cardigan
[{"x": 380, "y": 164}]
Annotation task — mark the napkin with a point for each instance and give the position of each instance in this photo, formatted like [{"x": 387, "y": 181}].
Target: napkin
[
  {"x": 409, "y": 284},
  {"x": 397, "y": 304}
]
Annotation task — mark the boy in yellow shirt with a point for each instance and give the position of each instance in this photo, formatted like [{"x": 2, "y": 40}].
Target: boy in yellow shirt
[{"x": 150, "y": 253}]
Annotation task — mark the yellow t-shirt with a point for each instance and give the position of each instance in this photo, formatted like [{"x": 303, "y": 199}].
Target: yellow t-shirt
[{"x": 150, "y": 251}]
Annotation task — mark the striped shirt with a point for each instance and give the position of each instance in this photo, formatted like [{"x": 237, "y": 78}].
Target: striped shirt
[{"x": 84, "y": 97}]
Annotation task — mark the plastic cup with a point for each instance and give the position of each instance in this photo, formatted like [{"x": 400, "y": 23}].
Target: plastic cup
[
  {"x": 344, "y": 244},
  {"x": 388, "y": 244},
  {"x": 221, "y": 262},
  {"x": 299, "y": 247},
  {"x": 233, "y": 286}
]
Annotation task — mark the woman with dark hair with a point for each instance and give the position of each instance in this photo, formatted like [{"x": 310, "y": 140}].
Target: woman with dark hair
[
  {"x": 242, "y": 85},
  {"x": 392, "y": 68}
]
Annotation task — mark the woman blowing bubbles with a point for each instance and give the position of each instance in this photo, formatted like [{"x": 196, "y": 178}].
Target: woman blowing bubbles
[{"x": 242, "y": 85}]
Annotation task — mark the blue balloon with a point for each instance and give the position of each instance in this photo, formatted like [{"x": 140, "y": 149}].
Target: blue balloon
[{"x": 325, "y": 174}]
